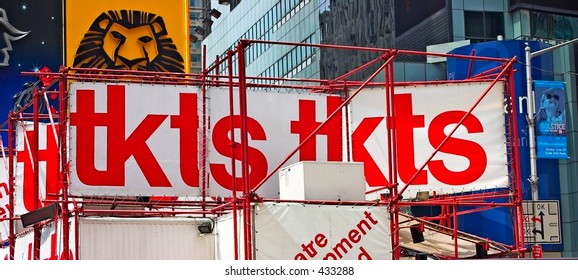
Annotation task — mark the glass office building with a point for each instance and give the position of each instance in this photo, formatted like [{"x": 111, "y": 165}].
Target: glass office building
[{"x": 412, "y": 25}]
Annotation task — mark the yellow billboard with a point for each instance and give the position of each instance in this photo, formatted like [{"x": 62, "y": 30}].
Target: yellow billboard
[{"x": 142, "y": 35}]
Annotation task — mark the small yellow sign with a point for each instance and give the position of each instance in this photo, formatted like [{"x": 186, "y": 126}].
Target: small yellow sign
[{"x": 141, "y": 35}]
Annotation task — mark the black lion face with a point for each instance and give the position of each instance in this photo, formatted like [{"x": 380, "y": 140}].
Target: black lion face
[{"x": 129, "y": 40}]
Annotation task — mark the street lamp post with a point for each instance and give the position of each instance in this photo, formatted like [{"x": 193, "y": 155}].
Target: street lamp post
[
  {"x": 530, "y": 109},
  {"x": 530, "y": 112}
]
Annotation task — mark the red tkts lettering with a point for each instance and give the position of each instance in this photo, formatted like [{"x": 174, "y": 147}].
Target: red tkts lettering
[
  {"x": 307, "y": 124},
  {"x": 405, "y": 124},
  {"x": 120, "y": 147},
  {"x": 257, "y": 161},
  {"x": 51, "y": 157}
]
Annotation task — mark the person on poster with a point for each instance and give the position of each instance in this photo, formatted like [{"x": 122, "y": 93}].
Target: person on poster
[{"x": 551, "y": 116}]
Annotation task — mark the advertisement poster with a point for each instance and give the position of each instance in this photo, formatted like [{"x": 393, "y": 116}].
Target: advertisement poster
[
  {"x": 138, "y": 35},
  {"x": 550, "y": 120}
]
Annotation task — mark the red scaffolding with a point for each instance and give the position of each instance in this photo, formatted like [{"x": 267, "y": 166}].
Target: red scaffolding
[{"x": 221, "y": 74}]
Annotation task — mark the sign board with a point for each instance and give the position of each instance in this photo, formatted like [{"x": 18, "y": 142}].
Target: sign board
[
  {"x": 550, "y": 120},
  {"x": 472, "y": 159},
  {"x": 125, "y": 141},
  {"x": 48, "y": 166},
  {"x": 89, "y": 43},
  {"x": 135, "y": 139},
  {"x": 133, "y": 149},
  {"x": 294, "y": 231},
  {"x": 541, "y": 222}
]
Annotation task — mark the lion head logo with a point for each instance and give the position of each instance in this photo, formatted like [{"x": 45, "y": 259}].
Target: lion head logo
[{"x": 129, "y": 40}]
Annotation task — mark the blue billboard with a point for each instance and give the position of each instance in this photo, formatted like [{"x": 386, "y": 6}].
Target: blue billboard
[{"x": 497, "y": 224}]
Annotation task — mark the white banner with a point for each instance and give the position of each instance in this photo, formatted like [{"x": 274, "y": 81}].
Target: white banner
[
  {"x": 277, "y": 122},
  {"x": 48, "y": 163},
  {"x": 290, "y": 231},
  {"x": 51, "y": 243},
  {"x": 166, "y": 238},
  {"x": 474, "y": 158},
  {"x": 227, "y": 230},
  {"x": 133, "y": 140},
  {"x": 146, "y": 139},
  {"x": 138, "y": 139},
  {"x": 4, "y": 199}
]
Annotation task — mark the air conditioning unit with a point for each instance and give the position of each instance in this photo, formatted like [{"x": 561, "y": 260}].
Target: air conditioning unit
[{"x": 314, "y": 180}]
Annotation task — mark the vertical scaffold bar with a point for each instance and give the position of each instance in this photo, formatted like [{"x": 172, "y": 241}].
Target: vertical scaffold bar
[
  {"x": 233, "y": 157},
  {"x": 12, "y": 236},
  {"x": 63, "y": 97},
  {"x": 36, "y": 180},
  {"x": 204, "y": 131},
  {"x": 517, "y": 187},
  {"x": 244, "y": 147}
]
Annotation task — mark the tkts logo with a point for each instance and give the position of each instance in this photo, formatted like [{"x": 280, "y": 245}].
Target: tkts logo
[
  {"x": 108, "y": 145},
  {"x": 145, "y": 139},
  {"x": 472, "y": 158}
]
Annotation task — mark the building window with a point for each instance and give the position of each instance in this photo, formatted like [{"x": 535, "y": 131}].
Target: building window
[
  {"x": 194, "y": 16},
  {"x": 483, "y": 26},
  {"x": 196, "y": 58},
  {"x": 409, "y": 13},
  {"x": 553, "y": 27},
  {"x": 196, "y": 45}
]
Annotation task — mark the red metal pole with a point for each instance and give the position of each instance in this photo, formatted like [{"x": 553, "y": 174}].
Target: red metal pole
[
  {"x": 392, "y": 172},
  {"x": 390, "y": 126},
  {"x": 233, "y": 147},
  {"x": 515, "y": 145},
  {"x": 488, "y": 73},
  {"x": 12, "y": 236},
  {"x": 62, "y": 110},
  {"x": 465, "y": 204},
  {"x": 394, "y": 228},
  {"x": 244, "y": 147},
  {"x": 204, "y": 150},
  {"x": 365, "y": 65},
  {"x": 380, "y": 50},
  {"x": 216, "y": 68},
  {"x": 393, "y": 122},
  {"x": 36, "y": 180},
  {"x": 455, "y": 233},
  {"x": 471, "y": 64},
  {"x": 392, "y": 130},
  {"x": 157, "y": 213},
  {"x": 221, "y": 207},
  {"x": 76, "y": 231}
]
